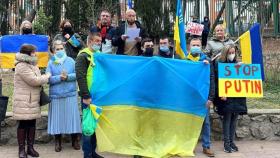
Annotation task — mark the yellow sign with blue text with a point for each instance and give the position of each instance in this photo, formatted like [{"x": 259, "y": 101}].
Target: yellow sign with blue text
[{"x": 243, "y": 80}]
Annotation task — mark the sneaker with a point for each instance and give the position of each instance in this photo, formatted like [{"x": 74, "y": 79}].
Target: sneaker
[
  {"x": 227, "y": 148},
  {"x": 208, "y": 152},
  {"x": 233, "y": 147}
]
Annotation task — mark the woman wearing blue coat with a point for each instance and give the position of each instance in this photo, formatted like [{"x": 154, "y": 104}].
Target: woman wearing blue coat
[{"x": 64, "y": 116}]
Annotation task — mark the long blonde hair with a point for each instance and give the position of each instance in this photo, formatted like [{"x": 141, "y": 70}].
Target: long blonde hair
[{"x": 224, "y": 54}]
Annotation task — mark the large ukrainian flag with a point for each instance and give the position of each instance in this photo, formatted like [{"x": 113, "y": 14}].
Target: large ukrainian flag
[
  {"x": 10, "y": 45},
  {"x": 152, "y": 107},
  {"x": 251, "y": 47},
  {"x": 179, "y": 33}
]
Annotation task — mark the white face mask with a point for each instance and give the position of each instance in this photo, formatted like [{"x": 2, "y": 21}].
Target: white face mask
[{"x": 231, "y": 57}]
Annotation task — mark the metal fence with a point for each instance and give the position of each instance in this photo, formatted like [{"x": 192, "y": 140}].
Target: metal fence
[{"x": 237, "y": 15}]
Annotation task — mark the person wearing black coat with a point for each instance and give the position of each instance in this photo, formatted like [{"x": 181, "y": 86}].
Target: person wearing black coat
[
  {"x": 106, "y": 30},
  {"x": 73, "y": 43},
  {"x": 206, "y": 30},
  {"x": 229, "y": 108},
  {"x": 121, "y": 39}
]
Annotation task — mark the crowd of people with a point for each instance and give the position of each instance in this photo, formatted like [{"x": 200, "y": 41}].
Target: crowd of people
[{"x": 71, "y": 61}]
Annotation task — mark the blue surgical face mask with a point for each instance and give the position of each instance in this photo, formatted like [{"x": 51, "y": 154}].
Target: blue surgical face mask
[
  {"x": 96, "y": 47},
  {"x": 195, "y": 51},
  {"x": 164, "y": 48},
  {"x": 60, "y": 54}
]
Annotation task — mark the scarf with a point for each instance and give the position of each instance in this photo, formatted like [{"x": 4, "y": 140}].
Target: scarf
[{"x": 59, "y": 57}]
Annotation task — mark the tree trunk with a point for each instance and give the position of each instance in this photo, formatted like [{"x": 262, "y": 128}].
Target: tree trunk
[
  {"x": 242, "y": 10},
  {"x": 55, "y": 11},
  {"x": 197, "y": 9},
  {"x": 38, "y": 4},
  {"x": 218, "y": 16},
  {"x": 4, "y": 25},
  {"x": 207, "y": 7},
  {"x": 31, "y": 16}
]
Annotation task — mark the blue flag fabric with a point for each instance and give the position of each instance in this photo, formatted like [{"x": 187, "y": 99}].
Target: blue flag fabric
[
  {"x": 152, "y": 107},
  {"x": 179, "y": 32}
]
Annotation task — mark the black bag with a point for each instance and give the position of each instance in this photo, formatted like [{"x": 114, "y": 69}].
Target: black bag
[{"x": 44, "y": 98}]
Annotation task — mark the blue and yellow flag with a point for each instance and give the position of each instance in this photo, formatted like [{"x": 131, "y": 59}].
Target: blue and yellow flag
[
  {"x": 129, "y": 4},
  {"x": 179, "y": 33},
  {"x": 74, "y": 41},
  {"x": 96, "y": 111},
  {"x": 10, "y": 45},
  {"x": 153, "y": 107},
  {"x": 251, "y": 47}
]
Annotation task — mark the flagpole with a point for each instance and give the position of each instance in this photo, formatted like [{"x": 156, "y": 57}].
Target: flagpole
[
  {"x": 173, "y": 56},
  {"x": 236, "y": 40},
  {"x": 1, "y": 75},
  {"x": 219, "y": 54}
]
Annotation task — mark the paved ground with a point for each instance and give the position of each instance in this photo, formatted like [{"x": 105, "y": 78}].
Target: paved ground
[{"x": 248, "y": 149}]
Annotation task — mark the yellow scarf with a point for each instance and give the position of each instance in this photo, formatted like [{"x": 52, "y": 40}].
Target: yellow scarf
[{"x": 190, "y": 57}]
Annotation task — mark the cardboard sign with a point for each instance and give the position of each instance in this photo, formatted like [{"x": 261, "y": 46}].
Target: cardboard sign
[
  {"x": 194, "y": 28},
  {"x": 240, "y": 80}
]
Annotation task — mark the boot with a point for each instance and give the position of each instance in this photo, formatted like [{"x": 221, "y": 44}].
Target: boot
[
  {"x": 208, "y": 152},
  {"x": 21, "y": 143},
  {"x": 233, "y": 146},
  {"x": 75, "y": 141},
  {"x": 30, "y": 141},
  {"x": 227, "y": 147},
  {"x": 57, "y": 139}
]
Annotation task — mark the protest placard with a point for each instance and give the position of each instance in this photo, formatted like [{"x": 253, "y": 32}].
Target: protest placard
[
  {"x": 240, "y": 80},
  {"x": 194, "y": 28}
]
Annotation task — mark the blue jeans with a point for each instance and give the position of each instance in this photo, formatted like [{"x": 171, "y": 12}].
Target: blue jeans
[
  {"x": 206, "y": 131},
  {"x": 229, "y": 126},
  {"x": 89, "y": 142}
]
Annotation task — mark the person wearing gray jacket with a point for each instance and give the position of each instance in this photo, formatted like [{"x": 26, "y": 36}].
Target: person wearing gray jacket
[{"x": 216, "y": 44}]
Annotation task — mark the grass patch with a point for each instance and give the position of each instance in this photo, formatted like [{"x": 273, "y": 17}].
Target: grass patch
[{"x": 271, "y": 99}]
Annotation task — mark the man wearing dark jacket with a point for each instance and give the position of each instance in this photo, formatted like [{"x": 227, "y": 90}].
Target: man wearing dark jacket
[
  {"x": 197, "y": 55},
  {"x": 128, "y": 45},
  {"x": 106, "y": 31},
  {"x": 85, "y": 64},
  {"x": 147, "y": 47},
  {"x": 165, "y": 50}
]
